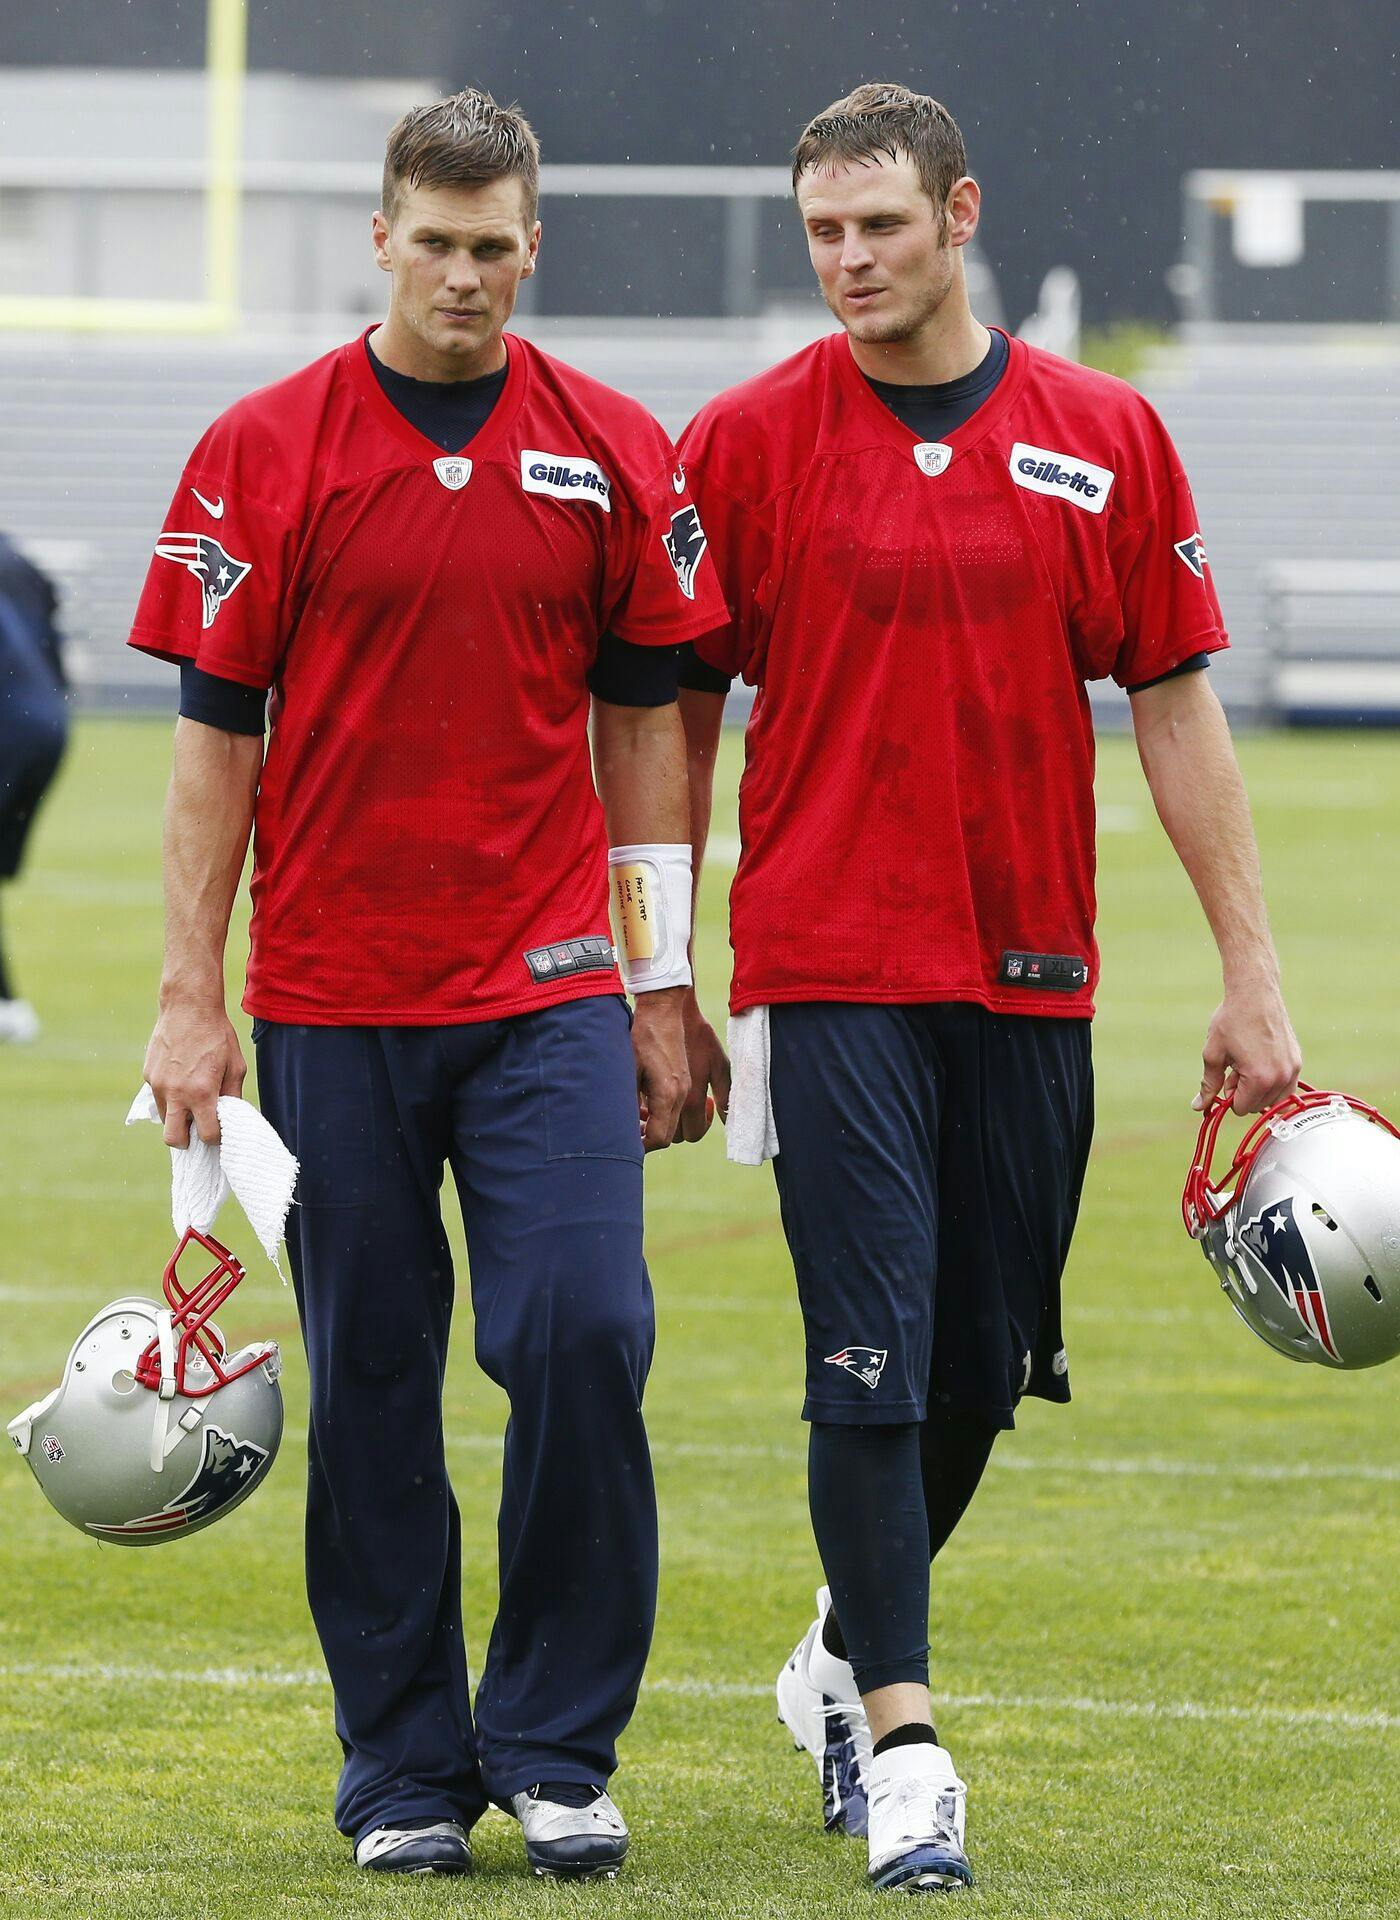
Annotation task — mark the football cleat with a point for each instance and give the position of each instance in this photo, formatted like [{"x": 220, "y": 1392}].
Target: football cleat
[
  {"x": 918, "y": 1819},
  {"x": 819, "y": 1704},
  {"x": 1303, "y": 1228},
  {"x": 441, "y": 1848},
  {"x": 571, "y": 1843}
]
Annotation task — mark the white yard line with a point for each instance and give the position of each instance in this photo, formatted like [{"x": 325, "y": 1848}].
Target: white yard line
[
  {"x": 251, "y": 1678},
  {"x": 1148, "y": 1466}
]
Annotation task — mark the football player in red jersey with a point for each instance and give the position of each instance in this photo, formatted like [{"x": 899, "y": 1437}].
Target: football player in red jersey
[
  {"x": 432, "y": 554},
  {"x": 931, "y": 536}
]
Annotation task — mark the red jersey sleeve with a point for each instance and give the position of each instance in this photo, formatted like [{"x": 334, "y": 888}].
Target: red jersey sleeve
[
  {"x": 217, "y": 588},
  {"x": 1167, "y": 601},
  {"x": 742, "y": 542},
  {"x": 661, "y": 587}
]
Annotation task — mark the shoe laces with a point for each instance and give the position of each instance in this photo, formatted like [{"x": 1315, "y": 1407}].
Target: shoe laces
[
  {"x": 924, "y": 1809},
  {"x": 857, "y": 1727}
]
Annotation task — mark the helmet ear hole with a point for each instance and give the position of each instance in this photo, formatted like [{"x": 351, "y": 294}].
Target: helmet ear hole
[
  {"x": 1371, "y": 1287},
  {"x": 1321, "y": 1213},
  {"x": 124, "y": 1381}
]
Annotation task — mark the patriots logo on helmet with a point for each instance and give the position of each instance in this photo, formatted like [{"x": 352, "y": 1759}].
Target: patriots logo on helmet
[
  {"x": 1276, "y": 1241},
  {"x": 227, "y": 1467},
  {"x": 216, "y": 570},
  {"x": 686, "y": 544},
  {"x": 1193, "y": 551},
  {"x": 866, "y": 1363}
]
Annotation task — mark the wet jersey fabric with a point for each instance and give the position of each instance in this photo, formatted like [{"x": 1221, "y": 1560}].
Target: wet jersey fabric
[
  {"x": 920, "y": 620},
  {"x": 428, "y": 844}
]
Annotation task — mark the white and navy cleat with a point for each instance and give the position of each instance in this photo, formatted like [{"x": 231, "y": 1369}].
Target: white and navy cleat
[
  {"x": 571, "y": 1843},
  {"x": 820, "y": 1706},
  {"x": 441, "y": 1848},
  {"x": 918, "y": 1822}
]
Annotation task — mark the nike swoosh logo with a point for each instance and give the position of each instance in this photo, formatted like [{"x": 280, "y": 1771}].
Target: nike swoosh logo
[{"x": 215, "y": 508}]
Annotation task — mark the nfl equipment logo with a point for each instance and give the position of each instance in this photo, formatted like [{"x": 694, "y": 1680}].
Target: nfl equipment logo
[
  {"x": 453, "y": 473},
  {"x": 932, "y": 457},
  {"x": 53, "y": 1448}
]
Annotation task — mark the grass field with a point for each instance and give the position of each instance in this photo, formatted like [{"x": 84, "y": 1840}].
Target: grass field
[{"x": 1166, "y": 1644}]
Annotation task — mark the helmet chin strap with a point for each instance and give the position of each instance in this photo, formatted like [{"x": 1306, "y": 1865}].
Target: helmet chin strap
[{"x": 165, "y": 1340}]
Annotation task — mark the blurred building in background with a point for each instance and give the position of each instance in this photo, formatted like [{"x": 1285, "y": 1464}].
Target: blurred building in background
[{"x": 1210, "y": 172}]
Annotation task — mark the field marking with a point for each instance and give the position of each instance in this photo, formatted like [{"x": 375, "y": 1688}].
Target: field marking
[
  {"x": 1149, "y": 1466},
  {"x": 694, "y": 1688}
]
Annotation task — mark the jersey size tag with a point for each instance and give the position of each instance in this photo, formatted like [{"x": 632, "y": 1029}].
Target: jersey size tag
[
  {"x": 636, "y": 910},
  {"x": 1062, "y": 475},
  {"x": 1061, "y": 972},
  {"x": 591, "y": 954}
]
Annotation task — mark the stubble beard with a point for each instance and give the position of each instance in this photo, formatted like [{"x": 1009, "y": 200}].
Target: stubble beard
[{"x": 897, "y": 329}]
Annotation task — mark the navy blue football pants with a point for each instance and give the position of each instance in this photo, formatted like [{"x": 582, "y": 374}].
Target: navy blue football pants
[
  {"x": 536, "y": 1117},
  {"x": 930, "y": 1167}
]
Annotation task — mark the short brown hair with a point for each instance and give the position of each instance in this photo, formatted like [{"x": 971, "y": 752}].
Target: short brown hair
[
  {"x": 465, "y": 140},
  {"x": 884, "y": 118}
]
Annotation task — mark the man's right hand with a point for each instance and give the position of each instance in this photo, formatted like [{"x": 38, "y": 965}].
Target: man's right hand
[
  {"x": 194, "y": 1057},
  {"x": 709, "y": 1068}
]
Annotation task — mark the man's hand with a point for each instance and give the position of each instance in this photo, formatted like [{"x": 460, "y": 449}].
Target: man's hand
[
  {"x": 709, "y": 1069},
  {"x": 658, "y": 1041},
  {"x": 193, "y": 1058},
  {"x": 1250, "y": 1050}
]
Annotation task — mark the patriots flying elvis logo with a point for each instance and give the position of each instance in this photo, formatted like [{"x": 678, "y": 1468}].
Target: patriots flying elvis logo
[
  {"x": 686, "y": 544},
  {"x": 1193, "y": 551},
  {"x": 1276, "y": 1240},
  {"x": 216, "y": 570},
  {"x": 227, "y": 1466},
  {"x": 866, "y": 1363}
]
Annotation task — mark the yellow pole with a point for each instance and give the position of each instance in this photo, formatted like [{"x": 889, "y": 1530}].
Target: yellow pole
[{"x": 226, "y": 63}]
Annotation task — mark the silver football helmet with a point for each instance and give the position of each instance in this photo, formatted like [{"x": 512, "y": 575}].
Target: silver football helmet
[
  {"x": 1304, "y": 1229},
  {"x": 156, "y": 1430}
]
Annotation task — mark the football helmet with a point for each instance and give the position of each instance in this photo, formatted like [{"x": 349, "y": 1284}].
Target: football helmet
[
  {"x": 1303, "y": 1230},
  {"x": 155, "y": 1429}
]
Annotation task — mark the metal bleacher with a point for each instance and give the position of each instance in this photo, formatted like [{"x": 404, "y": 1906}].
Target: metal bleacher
[{"x": 1292, "y": 450}]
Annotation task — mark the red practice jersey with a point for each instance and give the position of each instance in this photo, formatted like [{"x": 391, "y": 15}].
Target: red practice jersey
[
  {"x": 920, "y": 619},
  {"x": 428, "y": 844}
]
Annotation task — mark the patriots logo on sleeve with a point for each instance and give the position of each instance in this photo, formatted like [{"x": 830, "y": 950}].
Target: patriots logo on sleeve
[
  {"x": 1276, "y": 1241},
  {"x": 1193, "y": 551},
  {"x": 215, "y": 568},
  {"x": 227, "y": 1467},
  {"x": 685, "y": 543}
]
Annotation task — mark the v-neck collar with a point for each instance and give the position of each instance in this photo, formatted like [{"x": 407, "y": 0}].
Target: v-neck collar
[
  {"x": 366, "y": 384},
  {"x": 876, "y": 414}
]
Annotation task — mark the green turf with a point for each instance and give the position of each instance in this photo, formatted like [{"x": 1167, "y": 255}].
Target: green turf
[{"x": 1170, "y": 1680}]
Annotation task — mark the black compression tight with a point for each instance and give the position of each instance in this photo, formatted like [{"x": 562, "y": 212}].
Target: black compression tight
[{"x": 884, "y": 1501}]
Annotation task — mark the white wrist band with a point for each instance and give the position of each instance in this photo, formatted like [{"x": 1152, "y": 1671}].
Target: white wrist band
[{"x": 651, "y": 911}]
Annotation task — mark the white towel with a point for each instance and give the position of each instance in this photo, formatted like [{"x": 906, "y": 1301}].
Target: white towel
[
  {"x": 750, "y": 1133},
  {"x": 250, "y": 1161}
]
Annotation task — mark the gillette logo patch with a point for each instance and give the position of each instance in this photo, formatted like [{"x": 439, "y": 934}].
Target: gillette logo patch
[
  {"x": 1062, "y": 476},
  {"x": 565, "y": 476}
]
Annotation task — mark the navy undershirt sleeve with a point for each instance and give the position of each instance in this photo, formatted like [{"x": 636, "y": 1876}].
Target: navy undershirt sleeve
[
  {"x": 216, "y": 702},
  {"x": 1195, "y": 664},
  {"x": 630, "y": 676},
  {"x": 697, "y": 675}
]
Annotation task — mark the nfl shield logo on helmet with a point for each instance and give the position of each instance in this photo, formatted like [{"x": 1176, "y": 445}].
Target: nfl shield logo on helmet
[
  {"x": 933, "y": 457},
  {"x": 453, "y": 473},
  {"x": 866, "y": 1363}
]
